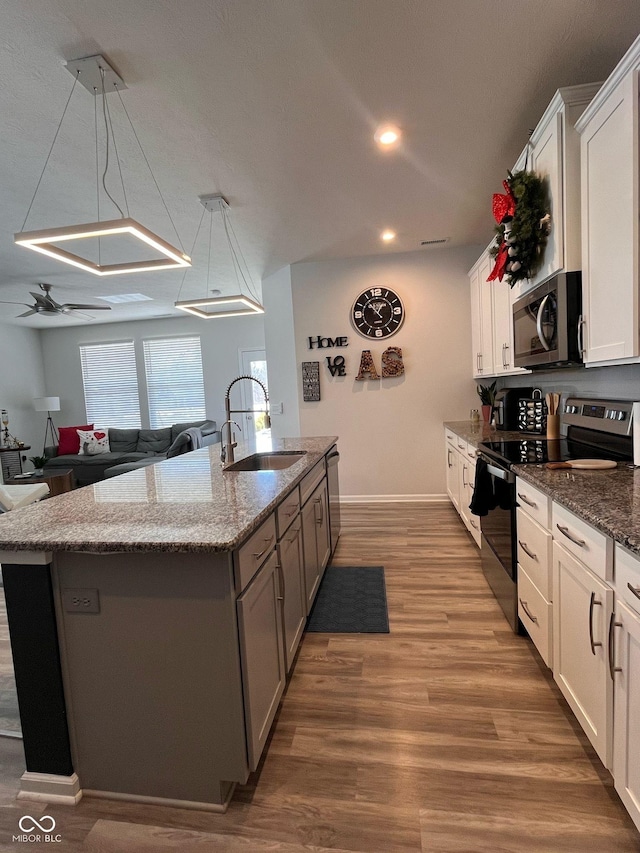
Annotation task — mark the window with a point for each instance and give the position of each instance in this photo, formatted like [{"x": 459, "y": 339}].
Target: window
[
  {"x": 175, "y": 386},
  {"x": 110, "y": 384}
]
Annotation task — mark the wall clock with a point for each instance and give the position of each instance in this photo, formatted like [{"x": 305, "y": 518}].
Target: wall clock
[{"x": 377, "y": 313}]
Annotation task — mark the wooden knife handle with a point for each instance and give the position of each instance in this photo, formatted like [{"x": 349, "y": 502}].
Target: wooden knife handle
[{"x": 555, "y": 465}]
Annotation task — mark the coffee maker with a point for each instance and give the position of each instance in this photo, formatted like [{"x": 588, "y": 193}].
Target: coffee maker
[{"x": 506, "y": 406}]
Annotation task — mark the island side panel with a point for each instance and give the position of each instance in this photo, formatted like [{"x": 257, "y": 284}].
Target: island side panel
[
  {"x": 153, "y": 680},
  {"x": 36, "y": 660}
]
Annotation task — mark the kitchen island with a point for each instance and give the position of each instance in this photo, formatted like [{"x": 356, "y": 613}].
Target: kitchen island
[{"x": 154, "y": 617}]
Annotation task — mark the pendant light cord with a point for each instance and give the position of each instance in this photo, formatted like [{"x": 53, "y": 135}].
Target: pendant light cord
[
  {"x": 247, "y": 279},
  {"x": 64, "y": 112},
  {"x": 195, "y": 240},
  {"x": 149, "y": 167},
  {"x": 106, "y": 156}
]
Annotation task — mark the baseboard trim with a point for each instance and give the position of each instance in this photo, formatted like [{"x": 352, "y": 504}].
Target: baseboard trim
[
  {"x": 49, "y": 788},
  {"x": 384, "y": 499},
  {"x": 218, "y": 808}
]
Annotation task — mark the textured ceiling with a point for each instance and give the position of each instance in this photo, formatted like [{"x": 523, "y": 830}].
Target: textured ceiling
[{"x": 274, "y": 104}]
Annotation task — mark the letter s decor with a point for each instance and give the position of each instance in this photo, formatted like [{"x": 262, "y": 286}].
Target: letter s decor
[
  {"x": 367, "y": 366},
  {"x": 392, "y": 364}
]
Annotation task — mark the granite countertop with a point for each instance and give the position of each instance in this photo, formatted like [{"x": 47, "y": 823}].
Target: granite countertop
[
  {"x": 609, "y": 500},
  {"x": 474, "y": 433},
  {"x": 186, "y": 504}
]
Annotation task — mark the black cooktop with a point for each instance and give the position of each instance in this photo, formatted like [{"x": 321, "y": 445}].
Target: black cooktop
[{"x": 539, "y": 449}]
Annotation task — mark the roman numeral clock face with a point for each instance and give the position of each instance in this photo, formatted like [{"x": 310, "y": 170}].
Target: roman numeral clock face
[{"x": 377, "y": 313}]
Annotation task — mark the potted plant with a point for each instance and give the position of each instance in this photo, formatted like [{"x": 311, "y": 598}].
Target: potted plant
[
  {"x": 487, "y": 394},
  {"x": 38, "y": 463}
]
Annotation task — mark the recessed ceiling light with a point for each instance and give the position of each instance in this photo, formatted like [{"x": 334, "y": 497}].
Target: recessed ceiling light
[
  {"x": 387, "y": 136},
  {"x": 126, "y": 297},
  {"x": 388, "y": 236}
]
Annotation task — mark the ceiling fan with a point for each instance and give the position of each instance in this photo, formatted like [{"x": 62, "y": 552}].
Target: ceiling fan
[{"x": 47, "y": 305}]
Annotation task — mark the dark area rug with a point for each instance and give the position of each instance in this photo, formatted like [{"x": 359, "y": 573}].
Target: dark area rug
[{"x": 351, "y": 600}]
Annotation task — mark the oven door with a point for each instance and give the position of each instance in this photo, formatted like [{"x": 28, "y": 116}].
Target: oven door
[
  {"x": 535, "y": 328},
  {"x": 498, "y": 546}
]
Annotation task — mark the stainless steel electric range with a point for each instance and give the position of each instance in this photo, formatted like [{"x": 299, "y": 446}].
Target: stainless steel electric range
[{"x": 596, "y": 429}]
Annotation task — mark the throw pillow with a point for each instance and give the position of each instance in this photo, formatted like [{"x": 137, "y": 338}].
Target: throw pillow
[
  {"x": 69, "y": 439},
  {"x": 93, "y": 442}
]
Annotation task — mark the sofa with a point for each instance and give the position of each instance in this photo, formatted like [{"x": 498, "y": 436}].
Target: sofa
[{"x": 132, "y": 448}]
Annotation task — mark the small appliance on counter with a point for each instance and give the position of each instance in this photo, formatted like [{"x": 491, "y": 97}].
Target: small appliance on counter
[
  {"x": 532, "y": 413},
  {"x": 506, "y": 406}
]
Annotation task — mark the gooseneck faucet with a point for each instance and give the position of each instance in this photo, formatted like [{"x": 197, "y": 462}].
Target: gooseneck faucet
[{"x": 226, "y": 454}]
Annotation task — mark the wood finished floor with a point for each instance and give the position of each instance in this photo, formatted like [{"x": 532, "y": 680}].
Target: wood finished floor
[{"x": 446, "y": 735}]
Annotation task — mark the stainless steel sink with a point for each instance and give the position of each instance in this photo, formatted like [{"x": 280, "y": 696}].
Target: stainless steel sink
[{"x": 272, "y": 461}]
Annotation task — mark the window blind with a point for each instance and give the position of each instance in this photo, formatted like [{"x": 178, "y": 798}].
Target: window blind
[
  {"x": 175, "y": 385},
  {"x": 110, "y": 384}
]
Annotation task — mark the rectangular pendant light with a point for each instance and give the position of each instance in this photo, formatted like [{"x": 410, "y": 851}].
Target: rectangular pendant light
[
  {"x": 43, "y": 242},
  {"x": 198, "y": 306}
]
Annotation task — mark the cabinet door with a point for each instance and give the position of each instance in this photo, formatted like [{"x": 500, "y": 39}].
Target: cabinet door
[
  {"x": 453, "y": 475},
  {"x": 321, "y": 507},
  {"x": 582, "y": 605},
  {"x": 310, "y": 551},
  {"x": 625, "y": 652},
  {"x": 261, "y": 655},
  {"x": 609, "y": 153},
  {"x": 476, "y": 334},
  {"x": 294, "y": 601},
  {"x": 547, "y": 164},
  {"x": 486, "y": 316}
]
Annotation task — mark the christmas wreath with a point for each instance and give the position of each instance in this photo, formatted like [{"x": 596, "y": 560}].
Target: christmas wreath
[{"x": 524, "y": 221}]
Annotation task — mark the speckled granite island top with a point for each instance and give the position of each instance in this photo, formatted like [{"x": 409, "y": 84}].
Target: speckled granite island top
[
  {"x": 609, "y": 500},
  {"x": 184, "y": 504}
]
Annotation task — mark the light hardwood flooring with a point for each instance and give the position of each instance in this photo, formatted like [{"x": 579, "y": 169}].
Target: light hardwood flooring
[{"x": 446, "y": 735}]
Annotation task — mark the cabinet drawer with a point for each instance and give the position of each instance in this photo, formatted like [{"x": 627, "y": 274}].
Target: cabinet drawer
[
  {"x": 287, "y": 511},
  {"x": 591, "y": 547},
  {"x": 536, "y": 616},
  {"x": 461, "y": 444},
  {"x": 310, "y": 481},
  {"x": 534, "y": 502},
  {"x": 254, "y": 552},
  {"x": 449, "y": 436},
  {"x": 470, "y": 453},
  {"x": 628, "y": 578},
  {"x": 534, "y": 551}
]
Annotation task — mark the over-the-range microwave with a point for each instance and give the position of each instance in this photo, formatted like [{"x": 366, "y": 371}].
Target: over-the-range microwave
[{"x": 547, "y": 323}]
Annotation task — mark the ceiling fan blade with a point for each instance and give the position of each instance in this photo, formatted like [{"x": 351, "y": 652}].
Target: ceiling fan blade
[
  {"x": 43, "y": 301},
  {"x": 26, "y": 313},
  {"x": 74, "y": 306},
  {"x": 4, "y": 302}
]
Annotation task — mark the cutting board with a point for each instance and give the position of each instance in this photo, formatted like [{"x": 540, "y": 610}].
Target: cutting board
[{"x": 591, "y": 464}]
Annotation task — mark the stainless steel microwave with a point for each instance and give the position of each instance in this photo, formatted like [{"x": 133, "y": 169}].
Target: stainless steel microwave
[{"x": 547, "y": 323}]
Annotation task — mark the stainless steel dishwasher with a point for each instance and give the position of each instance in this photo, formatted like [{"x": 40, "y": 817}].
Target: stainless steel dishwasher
[{"x": 333, "y": 457}]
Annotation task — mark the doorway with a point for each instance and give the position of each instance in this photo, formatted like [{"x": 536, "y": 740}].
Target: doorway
[{"x": 253, "y": 362}]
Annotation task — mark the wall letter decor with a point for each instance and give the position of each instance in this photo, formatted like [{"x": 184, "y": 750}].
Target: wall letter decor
[
  {"x": 392, "y": 364},
  {"x": 337, "y": 366},
  {"x": 311, "y": 381},
  {"x": 323, "y": 343},
  {"x": 367, "y": 366}
]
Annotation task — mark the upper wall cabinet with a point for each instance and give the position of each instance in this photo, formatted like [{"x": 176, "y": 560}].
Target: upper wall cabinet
[
  {"x": 610, "y": 207},
  {"x": 554, "y": 154}
]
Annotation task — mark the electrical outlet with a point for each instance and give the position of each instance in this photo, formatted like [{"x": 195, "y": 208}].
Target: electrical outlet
[{"x": 81, "y": 600}]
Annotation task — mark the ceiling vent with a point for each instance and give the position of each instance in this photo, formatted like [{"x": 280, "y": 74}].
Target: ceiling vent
[{"x": 434, "y": 242}]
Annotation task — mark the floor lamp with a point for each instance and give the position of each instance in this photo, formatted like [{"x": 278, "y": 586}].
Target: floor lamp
[{"x": 48, "y": 405}]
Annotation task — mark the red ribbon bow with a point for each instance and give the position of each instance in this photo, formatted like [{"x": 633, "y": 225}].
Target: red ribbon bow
[{"x": 503, "y": 206}]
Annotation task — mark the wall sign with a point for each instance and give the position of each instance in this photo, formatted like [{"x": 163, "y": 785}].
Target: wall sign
[
  {"x": 392, "y": 364},
  {"x": 377, "y": 313},
  {"x": 336, "y": 365},
  {"x": 323, "y": 343},
  {"x": 311, "y": 381}
]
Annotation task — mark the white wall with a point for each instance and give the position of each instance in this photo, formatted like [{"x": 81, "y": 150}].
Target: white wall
[
  {"x": 22, "y": 379},
  {"x": 221, "y": 340},
  {"x": 391, "y": 435},
  {"x": 281, "y": 353}
]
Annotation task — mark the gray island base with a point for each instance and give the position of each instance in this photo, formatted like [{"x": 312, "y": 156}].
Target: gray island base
[{"x": 154, "y": 619}]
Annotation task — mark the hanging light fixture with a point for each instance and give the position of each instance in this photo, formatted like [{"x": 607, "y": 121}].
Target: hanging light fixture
[
  {"x": 99, "y": 78},
  {"x": 233, "y": 305}
]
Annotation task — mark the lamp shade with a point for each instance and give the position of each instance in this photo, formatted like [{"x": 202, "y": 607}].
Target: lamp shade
[{"x": 46, "y": 404}]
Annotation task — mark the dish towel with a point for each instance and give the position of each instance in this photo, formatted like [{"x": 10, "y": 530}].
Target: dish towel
[
  {"x": 196, "y": 437},
  {"x": 483, "y": 498}
]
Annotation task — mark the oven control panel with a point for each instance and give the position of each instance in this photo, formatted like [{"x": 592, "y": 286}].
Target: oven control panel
[{"x": 613, "y": 416}]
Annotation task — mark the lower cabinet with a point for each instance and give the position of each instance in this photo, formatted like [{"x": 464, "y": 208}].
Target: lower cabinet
[
  {"x": 294, "y": 599},
  {"x": 625, "y": 671},
  {"x": 262, "y": 654},
  {"x": 453, "y": 475},
  {"x": 460, "y": 461},
  {"x": 582, "y": 610},
  {"x": 315, "y": 533}
]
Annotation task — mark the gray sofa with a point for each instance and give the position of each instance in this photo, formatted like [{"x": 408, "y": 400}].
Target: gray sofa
[{"x": 132, "y": 448}]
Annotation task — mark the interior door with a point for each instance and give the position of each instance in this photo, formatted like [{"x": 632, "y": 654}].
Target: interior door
[{"x": 253, "y": 362}]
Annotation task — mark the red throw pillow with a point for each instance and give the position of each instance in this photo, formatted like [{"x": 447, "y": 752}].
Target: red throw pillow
[{"x": 69, "y": 439}]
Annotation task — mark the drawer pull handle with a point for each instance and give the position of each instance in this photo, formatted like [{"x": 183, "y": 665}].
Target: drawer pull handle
[
  {"x": 473, "y": 524},
  {"x": 634, "y": 589},
  {"x": 526, "y": 500},
  {"x": 565, "y": 531},
  {"x": 612, "y": 654},
  {"x": 280, "y": 582},
  {"x": 533, "y": 618},
  {"x": 523, "y": 545},
  {"x": 288, "y": 514},
  {"x": 265, "y": 549},
  {"x": 593, "y": 603}
]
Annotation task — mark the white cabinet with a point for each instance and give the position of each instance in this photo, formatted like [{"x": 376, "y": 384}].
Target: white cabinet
[
  {"x": 624, "y": 667},
  {"x": 453, "y": 474},
  {"x": 315, "y": 533},
  {"x": 610, "y": 189},
  {"x": 294, "y": 600},
  {"x": 460, "y": 462},
  {"x": 482, "y": 316},
  {"x": 261, "y": 654},
  {"x": 582, "y": 608}
]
